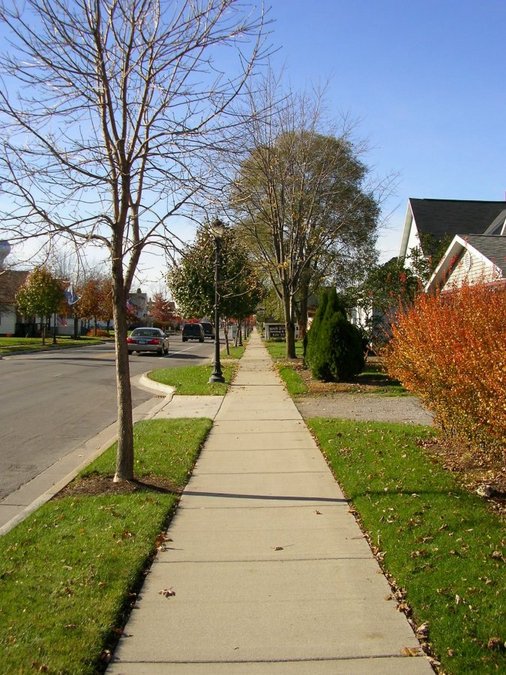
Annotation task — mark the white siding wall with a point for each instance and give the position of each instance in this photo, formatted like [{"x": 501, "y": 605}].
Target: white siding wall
[
  {"x": 413, "y": 242},
  {"x": 471, "y": 269}
]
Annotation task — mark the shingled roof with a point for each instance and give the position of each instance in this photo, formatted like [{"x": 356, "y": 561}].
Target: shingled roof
[
  {"x": 10, "y": 281},
  {"x": 492, "y": 247},
  {"x": 443, "y": 217}
]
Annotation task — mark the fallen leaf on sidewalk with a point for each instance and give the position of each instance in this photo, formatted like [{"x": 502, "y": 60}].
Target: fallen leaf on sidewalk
[
  {"x": 318, "y": 513},
  {"x": 411, "y": 651},
  {"x": 167, "y": 592},
  {"x": 279, "y": 548}
]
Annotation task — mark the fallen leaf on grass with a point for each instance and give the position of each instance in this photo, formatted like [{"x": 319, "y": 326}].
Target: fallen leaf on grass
[
  {"x": 496, "y": 644},
  {"x": 422, "y": 631}
]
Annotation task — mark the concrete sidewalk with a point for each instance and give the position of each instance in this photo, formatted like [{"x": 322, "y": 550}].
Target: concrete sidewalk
[{"x": 266, "y": 569}]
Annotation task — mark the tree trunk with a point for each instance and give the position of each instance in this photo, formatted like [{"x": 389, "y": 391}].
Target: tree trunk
[
  {"x": 225, "y": 332},
  {"x": 289, "y": 326},
  {"x": 125, "y": 452},
  {"x": 303, "y": 303},
  {"x": 290, "y": 340}
]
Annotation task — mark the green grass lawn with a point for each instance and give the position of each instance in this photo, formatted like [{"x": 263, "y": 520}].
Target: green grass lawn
[
  {"x": 12, "y": 345},
  {"x": 371, "y": 380},
  {"x": 277, "y": 349},
  {"x": 437, "y": 540},
  {"x": 70, "y": 571},
  {"x": 235, "y": 352},
  {"x": 194, "y": 380}
]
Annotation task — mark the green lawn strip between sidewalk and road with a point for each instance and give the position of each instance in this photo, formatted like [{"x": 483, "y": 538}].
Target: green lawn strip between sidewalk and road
[
  {"x": 70, "y": 571},
  {"x": 235, "y": 352},
  {"x": 436, "y": 540},
  {"x": 194, "y": 380},
  {"x": 12, "y": 345}
]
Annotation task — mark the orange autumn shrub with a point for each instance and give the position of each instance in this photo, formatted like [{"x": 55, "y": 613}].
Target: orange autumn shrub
[{"x": 450, "y": 350}]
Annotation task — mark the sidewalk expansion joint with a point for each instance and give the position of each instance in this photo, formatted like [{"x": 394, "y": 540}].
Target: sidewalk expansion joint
[
  {"x": 241, "y": 561},
  {"x": 258, "y": 473},
  {"x": 315, "y": 659},
  {"x": 265, "y": 497},
  {"x": 237, "y": 507}
]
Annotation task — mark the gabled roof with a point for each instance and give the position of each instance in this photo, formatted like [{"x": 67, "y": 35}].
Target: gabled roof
[
  {"x": 487, "y": 246},
  {"x": 443, "y": 217},
  {"x": 498, "y": 225},
  {"x": 492, "y": 247},
  {"x": 10, "y": 282}
]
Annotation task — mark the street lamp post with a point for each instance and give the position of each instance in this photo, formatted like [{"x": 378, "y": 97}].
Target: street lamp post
[{"x": 218, "y": 230}]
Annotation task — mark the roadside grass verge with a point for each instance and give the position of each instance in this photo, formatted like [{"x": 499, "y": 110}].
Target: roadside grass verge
[
  {"x": 194, "y": 380},
  {"x": 299, "y": 381},
  {"x": 440, "y": 544},
  {"x": 12, "y": 345},
  {"x": 235, "y": 352},
  {"x": 70, "y": 572}
]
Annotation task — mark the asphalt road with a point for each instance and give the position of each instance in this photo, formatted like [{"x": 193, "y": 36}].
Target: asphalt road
[{"x": 53, "y": 402}]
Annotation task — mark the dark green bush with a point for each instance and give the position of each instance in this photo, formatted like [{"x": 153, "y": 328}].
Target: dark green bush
[
  {"x": 311, "y": 336},
  {"x": 335, "y": 346}
]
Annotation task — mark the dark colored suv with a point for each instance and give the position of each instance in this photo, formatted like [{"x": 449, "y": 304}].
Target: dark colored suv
[
  {"x": 208, "y": 329},
  {"x": 192, "y": 331}
]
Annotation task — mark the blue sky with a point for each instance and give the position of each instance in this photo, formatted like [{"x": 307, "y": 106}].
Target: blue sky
[{"x": 425, "y": 80}]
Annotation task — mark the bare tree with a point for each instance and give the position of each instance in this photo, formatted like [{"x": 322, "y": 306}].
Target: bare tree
[
  {"x": 109, "y": 110},
  {"x": 299, "y": 194}
]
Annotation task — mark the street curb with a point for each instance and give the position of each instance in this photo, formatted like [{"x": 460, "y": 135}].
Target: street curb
[
  {"x": 109, "y": 436},
  {"x": 148, "y": 383},
  {"x": 58, "y": 486}
]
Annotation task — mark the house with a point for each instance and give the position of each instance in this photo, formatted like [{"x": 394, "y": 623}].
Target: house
[
  {"x": 137, "y": 306},
  {"x": 431, "y": 224},
  {"x": 10, "y": 282},
  {"x": 472, "y": 259}
]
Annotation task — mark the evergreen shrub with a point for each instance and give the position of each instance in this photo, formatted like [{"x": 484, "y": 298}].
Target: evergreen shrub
[{"x": 335, "y": 346}]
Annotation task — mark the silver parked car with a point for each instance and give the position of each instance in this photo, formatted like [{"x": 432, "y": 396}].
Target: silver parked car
[{"x": 148, "y": 340}]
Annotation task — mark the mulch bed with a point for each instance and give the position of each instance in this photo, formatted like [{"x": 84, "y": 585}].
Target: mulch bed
[
  {"x": 479, "y": 473},
  {"x": 366, "y": 384},
  {"x": 99, "y": 485}
]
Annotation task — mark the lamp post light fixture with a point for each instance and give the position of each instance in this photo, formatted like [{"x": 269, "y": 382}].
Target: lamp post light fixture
[{"x": 218, "y": 230}]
